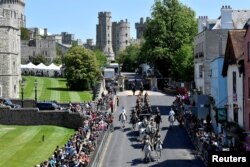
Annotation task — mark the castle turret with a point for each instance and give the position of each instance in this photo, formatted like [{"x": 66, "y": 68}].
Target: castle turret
[
  {"x": 16, "y": 5},
  {"x": 120, "y": 35},
  {"x": 140, "y": 27},
  {"x": 104, "y": 34},
  {"x": 11, "y": 19}
]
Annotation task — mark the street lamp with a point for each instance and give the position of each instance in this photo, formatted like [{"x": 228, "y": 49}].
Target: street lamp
[
  {"x": 22, "y": 86},
  {"x": 35, "y": 84}
]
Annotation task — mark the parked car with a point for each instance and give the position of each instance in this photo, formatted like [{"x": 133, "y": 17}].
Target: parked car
[
  {"x": 8, "y": 102},
  {"x": 47, "y": 106}
]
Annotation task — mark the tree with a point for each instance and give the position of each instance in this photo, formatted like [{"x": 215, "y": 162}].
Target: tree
[
  {"x": 169, "y": 36},
  {"x": 101, "y": 58},
  {"x": 81, "y": 69},
  {"x": 25, "y": 33},
  {"x": 39, "y": 59},
  {"x": 129, "y": 58}
]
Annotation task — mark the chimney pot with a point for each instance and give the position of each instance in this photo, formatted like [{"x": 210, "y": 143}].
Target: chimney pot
[{"x": 223, "y": 7}]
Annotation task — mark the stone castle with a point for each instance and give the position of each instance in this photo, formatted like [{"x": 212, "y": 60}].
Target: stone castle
[
  {"x": 11, "y": 19},
  {"x": 112, "y": 37}
]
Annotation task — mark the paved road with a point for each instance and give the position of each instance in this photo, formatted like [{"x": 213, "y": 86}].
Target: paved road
[{"x": 124, "y": 150}]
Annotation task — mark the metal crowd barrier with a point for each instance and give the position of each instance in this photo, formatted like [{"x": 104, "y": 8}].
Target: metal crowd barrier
[{"x": 98, "y": 153}]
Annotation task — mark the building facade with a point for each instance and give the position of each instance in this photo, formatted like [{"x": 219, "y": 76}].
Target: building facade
[
  {"x": 247, "y": 78},
  {"x": 233, "y": 58},
  {"x": 219, "y": 93},
  {"x": 32, "y": 48},
  {"x": 11, "y": 19},
  {"x": 209, "y": 44},
  {"x": 211, "y": 39}
]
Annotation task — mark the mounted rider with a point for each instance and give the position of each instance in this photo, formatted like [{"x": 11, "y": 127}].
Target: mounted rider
[
  {"x": 171, "y": 114},
  {"x": 147, "y": 148}
]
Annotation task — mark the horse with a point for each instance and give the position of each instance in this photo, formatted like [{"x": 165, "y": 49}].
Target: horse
[
  {"x": 171, "y": 120},
  {"x": 158, "y": 148},
  {"x": 142, "y": 130},
  {"x": 123, "y": 118},
  {"x": 147, "y": 149}
]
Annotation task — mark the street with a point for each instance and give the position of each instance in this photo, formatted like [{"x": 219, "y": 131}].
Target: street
[{"x": 123, "y": 148}]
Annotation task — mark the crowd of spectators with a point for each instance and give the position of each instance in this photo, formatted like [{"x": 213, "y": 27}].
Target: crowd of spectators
[
  {"x": 203, "y": 137},
  {"x": 80, "y": 147}
]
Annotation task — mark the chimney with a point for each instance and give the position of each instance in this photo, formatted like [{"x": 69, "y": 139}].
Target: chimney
[{"x": 226, "y": 18}]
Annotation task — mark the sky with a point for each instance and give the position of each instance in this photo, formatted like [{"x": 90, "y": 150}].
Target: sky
[{"x": 80, "y": 17}]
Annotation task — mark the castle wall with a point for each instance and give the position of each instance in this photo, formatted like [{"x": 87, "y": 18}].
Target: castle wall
[
  {"x": 31, "y": 116},
  {"x": 44, "y": 47}
]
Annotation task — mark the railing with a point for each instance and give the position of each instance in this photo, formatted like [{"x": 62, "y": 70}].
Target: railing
[{"x": 98, "y": 153}]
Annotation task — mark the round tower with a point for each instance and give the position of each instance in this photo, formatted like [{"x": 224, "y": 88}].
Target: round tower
[
  {"x": 124, "y": 34},
  {"x": 16, "y": 5}
]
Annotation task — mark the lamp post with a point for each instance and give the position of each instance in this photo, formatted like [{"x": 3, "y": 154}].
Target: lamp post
[
  {"x": 22, "y": 85},
  {"x": 35, "y": 84}
]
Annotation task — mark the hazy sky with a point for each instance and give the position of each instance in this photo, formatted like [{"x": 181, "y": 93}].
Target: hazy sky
[{"x": 79, "y": 17}]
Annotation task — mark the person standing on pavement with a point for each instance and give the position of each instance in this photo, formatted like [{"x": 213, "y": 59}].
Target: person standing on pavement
[
  {"x": 117, "y": 101},
  {"x": 158, "y": 120}
]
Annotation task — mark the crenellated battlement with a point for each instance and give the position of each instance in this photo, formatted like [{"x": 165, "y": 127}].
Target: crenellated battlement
[
  {"x": 104, "y": 14},
  {"x": 11, "y": 2}
]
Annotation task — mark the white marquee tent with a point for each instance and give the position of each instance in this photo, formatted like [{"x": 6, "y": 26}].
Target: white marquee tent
[{"x": 41, "y": 69}]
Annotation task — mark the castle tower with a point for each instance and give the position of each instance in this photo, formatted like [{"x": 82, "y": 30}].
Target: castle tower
[
  {"x": 120, "y": 35},
  {"x": 11, "y": 19},
  {"x": 104, "y": 34},
  {"x": 16, "y": 5},
  {"x": 140, "y": 27}
]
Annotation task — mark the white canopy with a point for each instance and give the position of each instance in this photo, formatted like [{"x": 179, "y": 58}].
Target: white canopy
[
  {"x": 29, "y": 65},
  {"x": 41, "y": 66},
  {"x": 52, "y": 66}
]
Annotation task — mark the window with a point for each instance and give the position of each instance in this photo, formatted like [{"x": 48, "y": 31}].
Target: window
[
  {"x": 200, "y": 71},
  {"x": 234, "y": 82},
  {"x": 234, "y": 87},
  {"x": 248, "y": 50},
  {"x": 14, "y": 66},
  {"x": 236, "y": 109},
  {"x": 1, "y": 90},
  {"x": 248, "y": 88},
  {"x": 15, "y": 89},
  {"x": 126, "y": 35}
]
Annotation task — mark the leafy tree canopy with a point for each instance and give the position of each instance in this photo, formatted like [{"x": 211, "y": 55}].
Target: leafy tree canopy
[
  {"x": 169, "y": 36},
  {"x": 25, "y": 33},
  {"x": 81, "y": 68},
  {"x": 39, "y": 59},
  {"x": 101, "y": 58},
  {"x": 129, "y": 58}
]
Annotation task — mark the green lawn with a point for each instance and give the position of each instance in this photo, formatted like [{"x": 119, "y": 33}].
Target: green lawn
[
  {"x": 22, "y": 146},
  {"x": 53, "y": 89}
]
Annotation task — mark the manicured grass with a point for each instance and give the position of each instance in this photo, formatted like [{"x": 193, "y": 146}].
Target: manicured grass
[
  {"x": 51, "y": 89},
  {"x": 22, "y": 146}
]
